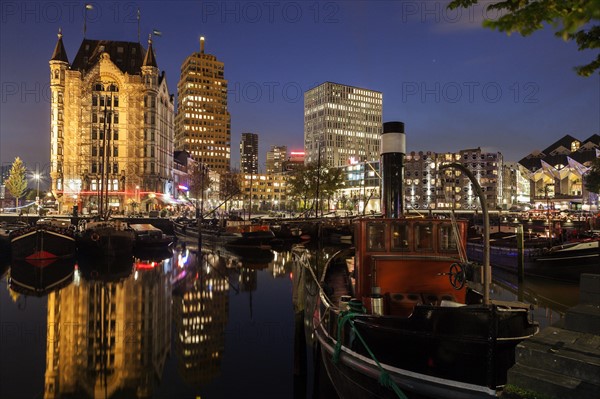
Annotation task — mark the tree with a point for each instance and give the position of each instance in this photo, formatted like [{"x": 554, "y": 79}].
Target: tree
[
  {"x": 230, "y": 187},
  {"x": 570, "y": 18},
  {"x": 198, "y": 183},
  {"x": 303, "y": 183},
  {"x": 331, "y": 181},
  {"x": 17, "y": 181},
  {"x": 591, "y": 179}
]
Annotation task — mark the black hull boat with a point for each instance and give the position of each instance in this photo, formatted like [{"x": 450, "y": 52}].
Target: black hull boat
[
  {"x": 149, "y": 237},
  {"x": 106, "y": 239},
  {"x": 5, "y": 241},
  {"x": 562, "y": 262},
  {"x": 258, "y": 239},
  {"x": 234, "y": 235},
  {"x": 427, "y": 337},
  {"x": 185, "y": 230},
  {"x": 48, "y": 239},
  {"x": 396, "y": 313},
  {"x": 40, "y": 277},
  {"x": 567, "y": 262}
]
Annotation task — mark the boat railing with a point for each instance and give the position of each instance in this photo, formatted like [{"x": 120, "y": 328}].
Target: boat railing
[{"x": 506, "y": 251}]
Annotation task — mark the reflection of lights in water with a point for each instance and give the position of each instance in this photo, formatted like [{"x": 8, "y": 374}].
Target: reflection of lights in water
[
  {"x": 76, "y": 276},
  {"x": 167, "y": 265},
  {"x": 135, "y": 275},
  {"x": 182, "y": 258},
  {"x": 145, "y": 265}
]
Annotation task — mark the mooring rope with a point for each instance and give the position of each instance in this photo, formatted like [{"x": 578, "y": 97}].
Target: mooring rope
[
  {"x": 355, "y": 307},
  {"x": 347, "y": 316}
]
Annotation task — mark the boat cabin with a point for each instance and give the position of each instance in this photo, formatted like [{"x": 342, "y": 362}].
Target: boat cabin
[{"x": 407, "y": 261}]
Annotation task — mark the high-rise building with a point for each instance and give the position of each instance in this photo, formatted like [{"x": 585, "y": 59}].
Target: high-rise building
[
  {"x": 112, "y": 125},
  {"x": 294, "y": 161},
  {"x": 202, "y": 124},
  {"x": 276, "y": 156},
  {"x": 249, "y": 153},
  {"x": 342, "y": 123}
]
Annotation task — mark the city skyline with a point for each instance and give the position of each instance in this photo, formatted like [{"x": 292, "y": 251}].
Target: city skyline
[{"x": 454, "y": 84}]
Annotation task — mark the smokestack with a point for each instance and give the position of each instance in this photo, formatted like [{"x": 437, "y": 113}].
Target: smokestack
[
  {"x": 393, "y": 149},
  {"x": 201, "y": 44}
]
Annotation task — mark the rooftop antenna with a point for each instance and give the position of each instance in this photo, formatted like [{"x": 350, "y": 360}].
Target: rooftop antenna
[
  {"x": 138, "y": 23},
  {"x": 201, "y": 44}
]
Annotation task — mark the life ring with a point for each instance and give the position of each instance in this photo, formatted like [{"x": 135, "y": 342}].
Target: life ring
[{"x": 95, "y": 237}]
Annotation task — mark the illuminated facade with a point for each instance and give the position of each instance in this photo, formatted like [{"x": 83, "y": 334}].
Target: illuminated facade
[
  {"x": 202, "y": 124},
  {"x": 515, "y": 193},
  {"x": 342, "y": 123},
  {"x": 249, "y": 153},
  {"x": 361, "y": 190},
  {"x": 276, "y": 157},
  {"x": 263, "y": 192},
  {"x": 112, "y": 122},
  {"x": 425, "y": 188},
  {"x": 108, "y": 338},
  {"x": 294, "y": 161},
  {"x": 556, "y": 174}
]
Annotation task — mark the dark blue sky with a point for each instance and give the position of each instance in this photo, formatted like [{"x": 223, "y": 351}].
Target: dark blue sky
[{"x": 454, "y": 84}]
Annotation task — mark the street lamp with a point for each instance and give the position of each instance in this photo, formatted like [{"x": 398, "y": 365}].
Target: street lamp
[{"x": 37, "y": 177}]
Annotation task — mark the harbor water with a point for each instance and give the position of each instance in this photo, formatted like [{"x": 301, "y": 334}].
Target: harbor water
[{"x": 223, "y": 326}]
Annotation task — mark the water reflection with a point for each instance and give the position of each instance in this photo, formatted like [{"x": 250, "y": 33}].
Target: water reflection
[
  {"x": 183, "y": 327},
  {"x": 39, "y": 277},
  {"x": 108, "y": 332},
  {"x": 550, "y": 299},
  {"x": 200, "y": 309}
]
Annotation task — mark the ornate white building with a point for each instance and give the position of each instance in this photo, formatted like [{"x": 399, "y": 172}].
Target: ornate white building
[{"x": 111, "y": 112}]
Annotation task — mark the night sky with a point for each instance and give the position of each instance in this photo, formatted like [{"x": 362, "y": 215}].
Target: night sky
[{"x": 454, "y": 84}]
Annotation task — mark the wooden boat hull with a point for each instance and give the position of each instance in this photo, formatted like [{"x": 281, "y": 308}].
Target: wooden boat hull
[{"x": 42, "y": 242}]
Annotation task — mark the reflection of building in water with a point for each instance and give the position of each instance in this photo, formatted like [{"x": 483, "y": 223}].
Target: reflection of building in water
[
  {"x": 200, "y": 308},
  {"x": 108, "y": 338},
  {"x": 248, "y": 280},
  {"x": 282, "y": 264}
]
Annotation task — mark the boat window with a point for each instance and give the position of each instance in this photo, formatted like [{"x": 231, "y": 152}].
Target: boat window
[
  {"x": 423, "y": 236},
  {"x": 400, "y": 236},
  {"x": 447, "y": 238},
  {"x": 376, "y": 237}
]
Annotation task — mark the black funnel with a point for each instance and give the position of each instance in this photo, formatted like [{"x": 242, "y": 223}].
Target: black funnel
[{"x": 393, "y": 149}]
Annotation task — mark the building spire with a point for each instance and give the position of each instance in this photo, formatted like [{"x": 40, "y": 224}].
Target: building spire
[
  {"x": 59, "y": 53},
  {"x": 201, "y": 44},
  {"x": 150, "y": 59}
]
